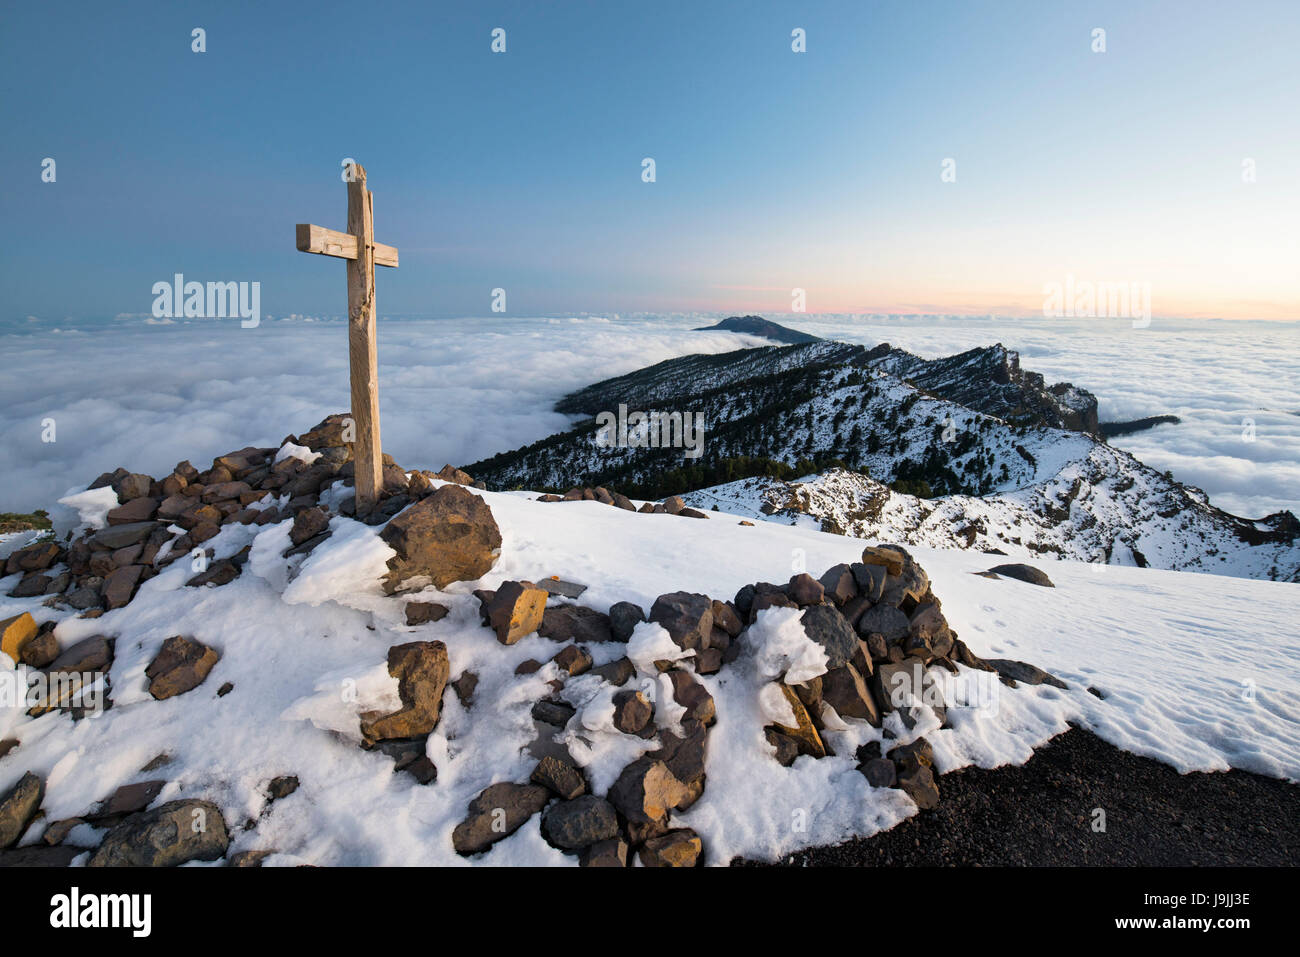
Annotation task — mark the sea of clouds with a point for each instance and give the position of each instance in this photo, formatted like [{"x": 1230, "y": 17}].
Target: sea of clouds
[{"x": 142, "y": 395}]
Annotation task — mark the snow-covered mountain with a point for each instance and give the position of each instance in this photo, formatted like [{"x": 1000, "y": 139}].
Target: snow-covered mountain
[
  {"x": 1087, "y": 511},
  {"x": 967, "y": 451}
]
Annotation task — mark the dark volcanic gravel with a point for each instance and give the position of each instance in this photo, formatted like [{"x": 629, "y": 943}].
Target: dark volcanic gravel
[{"x": 1040, "y": 813}]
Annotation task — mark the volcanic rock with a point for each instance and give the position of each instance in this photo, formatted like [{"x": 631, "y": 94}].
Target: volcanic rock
[
  {"x": 174, "y": 833},
  {"x": 421, "y": 669},
  {"x": 19, "y": 806},
  {"x": 179, "y": 666},
  {"x": 497, "y": 812},
  {"x": 623, "y": 617},
  {"x": 515, "y": 610},
  {"x": 645, "y": 791},
  {"x": 687, "y": 617},
  {"x": 825, "y": 625},
  {"x": 632, "y": 711},
  {"x": 1024, "y": 573},
  {"x": 580, "y": 822},
  {"x": 422, "y": 612},
  {"x": 559, "y": 776},
  {"x": 577, "y": 623},
  {"x": 447, "y": 536},
  {"x": 677, "y": 848}
]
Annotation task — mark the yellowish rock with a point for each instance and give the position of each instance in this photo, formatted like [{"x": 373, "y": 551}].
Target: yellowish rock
[
  {"x": 810, "y": 742},
  {"x": 16, "y": 632}
]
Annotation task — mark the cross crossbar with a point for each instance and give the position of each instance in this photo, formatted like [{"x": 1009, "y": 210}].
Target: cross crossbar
[{"x": 331, "y": 242}]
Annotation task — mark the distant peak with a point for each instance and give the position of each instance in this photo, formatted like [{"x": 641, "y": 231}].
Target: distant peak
[{"x": 758, "y": 326}]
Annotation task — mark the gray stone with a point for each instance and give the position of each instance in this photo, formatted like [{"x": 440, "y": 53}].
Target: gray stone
[
  {"x": 1024, "y": 573},
  {"x": 611, "y": 853},
  {"x": 560, "y": 777},
  {"x": 577, "y": 623},
  {"x": 1025, "y": 672},
  {"x": 171, "y": 834},
  {"x": 879, "y": 772},
  {"x": 686, "y": 616},
  {"x": 825, "y": 625},
  {"x": 624, "y": 616},
  {"x": 19, "y": 806},
  {"x": 580, "y": 822},
  {"x": 886, "y": 621},
  {"x": 497, "y": 812}
]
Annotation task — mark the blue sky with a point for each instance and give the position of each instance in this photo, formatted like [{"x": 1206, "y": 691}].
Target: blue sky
[{"x": 775, "y": 170}]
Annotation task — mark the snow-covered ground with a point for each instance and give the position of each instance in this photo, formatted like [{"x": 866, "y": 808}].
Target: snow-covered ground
[{"x": 1199, "y": 672}]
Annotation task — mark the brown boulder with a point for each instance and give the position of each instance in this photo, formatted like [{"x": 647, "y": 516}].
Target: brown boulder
[
  {"x": 611, "y": 853},
  {"x": 646, "y": 790},
  {"x": 41, "y": 650},
  {"x": 421, "y": 669},
  {"x": 447, "y": 536},
  {"x": 632, "y": 711},
  {"x": 677, "y": 848},
  {"x": 692, "y": 696},
  {"x": 569, "y": 622},
  {"x": 805, "y": 590},
  {"x": 307, "y": 524},
  {"x": 917, "y": 782},
  {"x": 179, "y": 666},
  {"x": 845, "y": 691},
  {"x": 687, "y": 617},
  {"x": 449, "y": 473},
  {"x": 573, "y": 660},
  {"x": 422, "y": 612},
  {"x": 132, "y": 485},
  {"x": 560, "y": 777},
  {"x": 497, "y": 812},
  {"x": 726, "y": 618},
  {"x": 120, "y": 585},
  {"x": 839, "y": 584},
  {"x": 33, "y": 558},
  {"x": 18, "y": 807},
  {"x": 515, "y": 610},
  {"x": 891, "y": 559},
  {"x": 804, "y": 732}
]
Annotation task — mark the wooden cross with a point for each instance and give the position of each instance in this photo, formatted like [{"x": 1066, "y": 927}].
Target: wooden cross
[{"x": 358, "y": 246}]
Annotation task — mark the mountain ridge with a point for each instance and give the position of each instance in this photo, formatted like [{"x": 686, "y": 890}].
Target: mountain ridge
[{"x": 964, "y": 441}]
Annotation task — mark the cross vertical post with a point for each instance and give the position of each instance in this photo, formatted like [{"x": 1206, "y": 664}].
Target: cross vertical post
[
  {"x": 359, "y": 248},
  {"x": 363, "y": 352}
]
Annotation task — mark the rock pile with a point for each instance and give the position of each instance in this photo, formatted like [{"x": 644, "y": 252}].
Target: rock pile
[
  {"x": 673, "y": 505},
  {"x": 878, "y": 622},
  {"x": 159, "y": 520}
]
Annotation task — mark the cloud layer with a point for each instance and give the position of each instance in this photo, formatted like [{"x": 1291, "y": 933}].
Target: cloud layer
[{"x": 139, "y": 395}]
